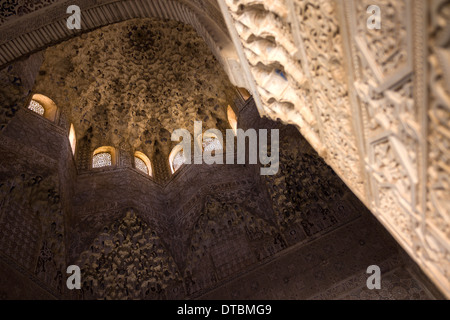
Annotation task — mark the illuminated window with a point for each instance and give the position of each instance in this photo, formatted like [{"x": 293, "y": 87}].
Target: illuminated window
[
  {"x": 103, "y": 157},
  {"x": 72, "y": 138},
  {"x": 36, "y": 107},
  {"x": 232, "y": 120},
  {"x": 178, "y": 161},
  {"x": 142, "y": 163},
  {"x": 176, "y": 158},
  {"x": 43, "y": 106}
]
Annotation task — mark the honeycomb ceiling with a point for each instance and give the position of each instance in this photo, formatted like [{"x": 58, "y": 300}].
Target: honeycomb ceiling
[{"x": 131, "y": 84}]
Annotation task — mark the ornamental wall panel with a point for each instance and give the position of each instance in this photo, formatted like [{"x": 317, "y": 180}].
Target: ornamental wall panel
[{"x": 374, "y": 103}]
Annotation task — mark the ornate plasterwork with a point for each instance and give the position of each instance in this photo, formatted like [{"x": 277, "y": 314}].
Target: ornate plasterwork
[
  {"x": 391, "y": 95},
  {"x": 299, "y": 72},
  {"x": 323, "y": 56},
  {"x": 385, "y": 51},
  {"x": 227, "y": 230},
  {"x": 29, "y": 26},
  {"x": 17, "y": 8},
  {"x": 128, "y": 261},
  {"x": 436, "y": 225},
  {"x": 32, "y": 225},
  {"x": 373, "y": 102},
  {"x": 98, "y": 82}
]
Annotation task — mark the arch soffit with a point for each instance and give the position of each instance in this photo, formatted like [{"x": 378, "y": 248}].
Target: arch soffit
[{"x": 47, "y": 26}]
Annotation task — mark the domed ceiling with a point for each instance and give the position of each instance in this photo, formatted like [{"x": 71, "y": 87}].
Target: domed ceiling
[{"x": 133, "y": 83}]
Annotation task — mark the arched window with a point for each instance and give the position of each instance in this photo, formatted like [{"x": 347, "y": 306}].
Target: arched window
[
  {"x": 43, "y": 106},
  {"x": 232, "y": 119},
  {"x": 103, "y": 157},
  {"x": 72, "y": 138},
  {"x": 142, "y": 163},
  {"x": 176, "y": 158}
]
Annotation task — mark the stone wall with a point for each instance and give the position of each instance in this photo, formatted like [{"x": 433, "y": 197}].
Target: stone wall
[
  {"x": 234, "y": 235},
  {"x": 36, "y": 173},
  {"x": 17, "y": 81}
]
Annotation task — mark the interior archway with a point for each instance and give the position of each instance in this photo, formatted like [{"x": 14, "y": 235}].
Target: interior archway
[
  {"x": 128, "y": 81},
  {"x": 33, "y": 35}
]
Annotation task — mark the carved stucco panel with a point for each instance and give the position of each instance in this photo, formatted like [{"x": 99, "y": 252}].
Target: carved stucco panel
[
  {"x": 436, "y": 226},
  {"x": 320, "y": 33},
  {"x": 300, "y": 76},
  {"x": 272, "y": 54},
  {"x": 387, "y": 51},
  {"x": 387, "y": 74},
  {"x": 296, "y": 50}
]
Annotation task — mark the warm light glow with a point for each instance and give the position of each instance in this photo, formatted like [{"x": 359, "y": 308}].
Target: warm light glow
[
  {"x": 43, "y": 106},
  {"x": 142, "y": 163},
  {"x": 232, "y": 120},
  {"x": 176, "y": 158},
  {"x": 244, "y": 93},
  {"x": 72, "y": 138},
  {"x": 103, "y": 157}
]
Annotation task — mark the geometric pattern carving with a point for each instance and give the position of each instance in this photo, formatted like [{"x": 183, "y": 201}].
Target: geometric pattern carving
[
  {"x": 102, "y": 159},
  {"x": 387, "y": 75},
  {"x": 140, "y": 165},
  {"x": 19, "y": 235},
  {"x": 300, "y": 76},
  {"x": 436, "y": 227},
  {"x": 323, "y": 56},
  {"x": 385, "y": 50},
  {"x": 32, "y": 226},
  {"x": 307, "y": 195},
  {"x": 14, "y": 8},
  {"x": 386, "y": 133},
  {"x": 36, "y": 107},
  {"x": 127, "y": 261},
  {"x": 226, "y": 239}
]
